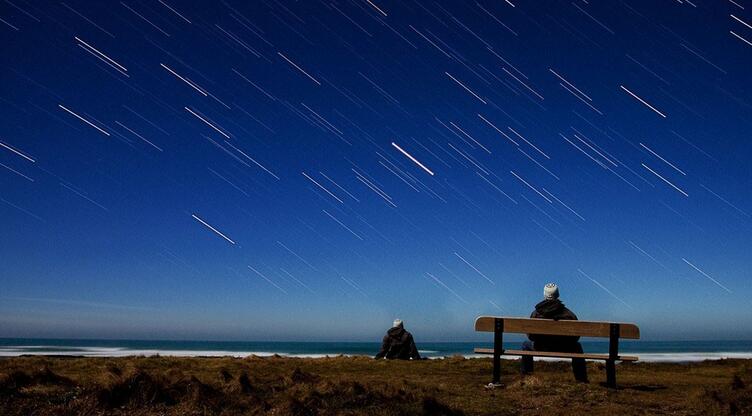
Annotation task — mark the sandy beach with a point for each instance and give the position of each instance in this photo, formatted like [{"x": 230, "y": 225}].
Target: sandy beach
[{"x": 361, "y": 386}]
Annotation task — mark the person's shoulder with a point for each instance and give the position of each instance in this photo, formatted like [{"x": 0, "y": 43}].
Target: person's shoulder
[{"x": 569, "y": 313}]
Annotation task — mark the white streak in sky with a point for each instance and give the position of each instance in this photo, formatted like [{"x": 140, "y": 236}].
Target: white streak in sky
[
  {"x": 145, "y": 19},
  {"x": 531, "y": 187},
  {"x": 17, "y": 172},
  {"x": 338, "y": 186},
  {"x": 187, "y": 81},
  {"x": 207, "y": 122},
  {"x": 562, "y": 203},
  {"x": 525, "y": 85},
  {"x": 664, "y": 180},
  {"x": 495, "y": 187},
  {"x": 13, "y": 27},
  {"x": 466, "y": 88},
  {"x": 378, "y": 191},
  {"x": 604, "y": 288},
  {"x": 724, "y": 200},
  {"x": 528, "y": 142},
  {"x": 376, "y": 7},
  {"x": 412, "y": 158},
  {"x": 741, "y": 38},
  {"x": 706, "y": 275},
  {"x": 212, "y": 228},
  {"x": 174, "y": 11},
  {"x": 642, "y": 101},
  {"x": 343, "y": 225},
  {"x": 469, "y": 136},
  {"x": 497, "y": 129},
  {"x": 252, "y": 160},
  {"x": 473, "y": 267},
  {"x": 322, "y": 187},
  {"x": 741, "y": 21},
  {"x": 736, "y": 4},
  {"x": 18, "y": 152},
  {"x": 83, "y": 119},
  {"x": 638, "y": 248},
  {"x": 289, "y": 250},
  {"x": 298, "y": 68},
  {"x": 79, "y": 193},
  {"x": 297, "y": 280},
  {"x": 101, "y": 54},
  {"x": 138, "y": 135},
  {"x": 268, "y": 280},
  {"x": 495, "y": 305},
  {"x": 664, "y": 160},
  {"x": 437, "y": 280},
  {"x": 570, "y": 84}
]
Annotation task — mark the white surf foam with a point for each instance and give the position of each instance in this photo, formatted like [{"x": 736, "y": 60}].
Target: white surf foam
[
  {"x": 15, "y": 351},
  {"x": 673, "y": 357},
  {"x": 18, "y": 350},
  {"x": 692, "y": 356}
]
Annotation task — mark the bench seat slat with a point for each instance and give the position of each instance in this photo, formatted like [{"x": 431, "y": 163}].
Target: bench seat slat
[
  {"x": 551, "y": 327},
  {"x": 556, "y": 354}
]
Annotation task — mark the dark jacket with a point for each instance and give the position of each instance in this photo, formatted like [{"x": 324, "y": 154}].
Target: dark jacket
[
  {"x": 552, "y": 309},
  {"x": 398, "y": 344}
]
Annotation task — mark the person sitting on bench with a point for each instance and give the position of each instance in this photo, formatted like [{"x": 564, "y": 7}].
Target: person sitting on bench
[
  {"x": 552, "y": 308},
  {"x": 398, "y": 344}
]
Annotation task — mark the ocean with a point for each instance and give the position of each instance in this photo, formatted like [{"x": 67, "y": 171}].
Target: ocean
[{"x": 651, "y": 351}]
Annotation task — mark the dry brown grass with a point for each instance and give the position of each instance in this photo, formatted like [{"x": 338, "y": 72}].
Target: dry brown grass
[{"x": 359, "y": 386}]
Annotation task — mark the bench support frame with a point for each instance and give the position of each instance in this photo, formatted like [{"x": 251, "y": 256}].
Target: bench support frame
[
  {"x": 613, "y": 352},
  {"x": 498, "y": 349},
  {"x": 613, "y": 355}
]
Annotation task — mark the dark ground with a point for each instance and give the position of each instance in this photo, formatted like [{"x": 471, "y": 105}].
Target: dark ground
[{"x": 360, "y": 386}]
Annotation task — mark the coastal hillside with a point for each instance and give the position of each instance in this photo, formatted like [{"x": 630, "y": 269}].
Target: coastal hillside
[{"x": 361, "y": 386}]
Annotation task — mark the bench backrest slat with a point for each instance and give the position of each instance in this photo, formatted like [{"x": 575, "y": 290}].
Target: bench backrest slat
[{"x": 551, "y": 327}]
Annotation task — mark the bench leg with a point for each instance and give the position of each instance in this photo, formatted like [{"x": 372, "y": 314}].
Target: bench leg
[
  {"x": 611, "y": 374},
  {"x": 498, "y": 349},
  {"x": 496, "y": 369}
]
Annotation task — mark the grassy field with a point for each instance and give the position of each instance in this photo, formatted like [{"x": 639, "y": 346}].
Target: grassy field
[{"x": 360, "y": 386}]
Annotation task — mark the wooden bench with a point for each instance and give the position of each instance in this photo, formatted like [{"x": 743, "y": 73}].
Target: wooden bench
[{"x": 611, "y": 330}]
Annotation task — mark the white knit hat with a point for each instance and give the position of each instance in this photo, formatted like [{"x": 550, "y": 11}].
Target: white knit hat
[
  {"x": 551, "y": 291},
  {"x": 397, "y": 323}
]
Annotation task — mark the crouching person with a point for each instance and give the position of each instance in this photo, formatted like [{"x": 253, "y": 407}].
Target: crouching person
[{"x": 398, "y": 344}]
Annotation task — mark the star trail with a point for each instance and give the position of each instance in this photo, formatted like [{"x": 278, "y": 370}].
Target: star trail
[{"x": 230, "y": 163}]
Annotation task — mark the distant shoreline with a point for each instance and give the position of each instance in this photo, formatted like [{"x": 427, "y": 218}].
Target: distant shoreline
[
  {"x": 109, "y": 353},
  {"x": 646, "y": 358}
]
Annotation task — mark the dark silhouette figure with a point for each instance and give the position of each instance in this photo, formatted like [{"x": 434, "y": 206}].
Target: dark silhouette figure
[
  {"x": 398, "y": 344},
  {"x": 552, "y": 308}
]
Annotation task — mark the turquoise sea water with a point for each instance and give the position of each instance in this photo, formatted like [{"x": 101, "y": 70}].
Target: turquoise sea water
[{"x": 647, "y": 350}]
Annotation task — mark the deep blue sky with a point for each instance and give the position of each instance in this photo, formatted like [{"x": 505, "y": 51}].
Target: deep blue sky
[{"x": 101, "y": 235}]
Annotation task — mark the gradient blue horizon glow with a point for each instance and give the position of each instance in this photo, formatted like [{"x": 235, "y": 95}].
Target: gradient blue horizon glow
[{"x": 603, "y": 146}]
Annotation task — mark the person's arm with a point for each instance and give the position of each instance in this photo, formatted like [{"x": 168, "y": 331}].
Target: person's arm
[
  {"x": 534, "y": 314},
  {"x": 384, "y": 348},
  {"x": 570, "y": 316},
  {"x": 414, "y": 354}
]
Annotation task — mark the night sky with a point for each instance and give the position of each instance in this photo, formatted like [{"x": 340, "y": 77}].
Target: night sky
[{"x": 311, "y": 170}]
